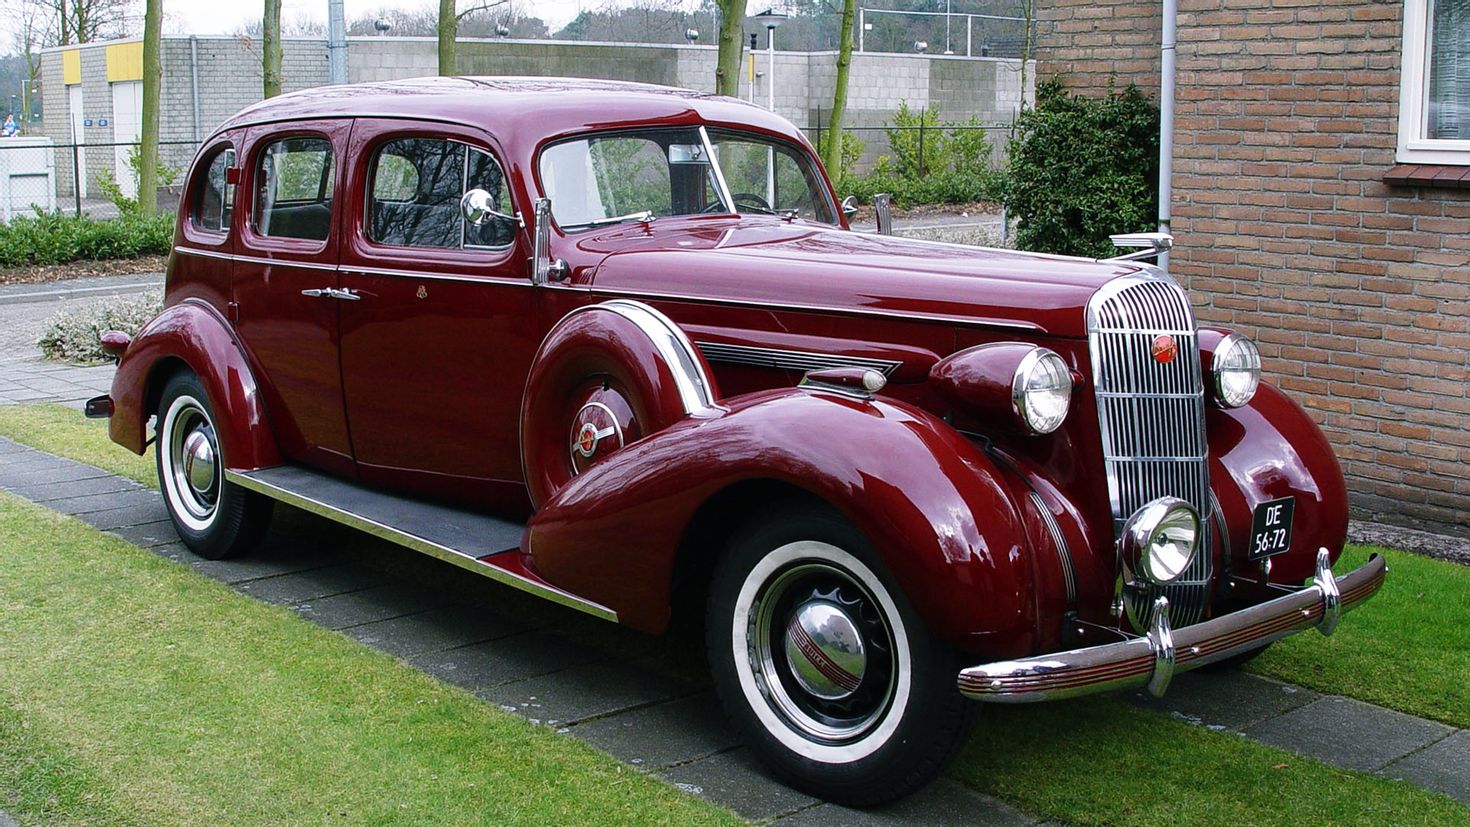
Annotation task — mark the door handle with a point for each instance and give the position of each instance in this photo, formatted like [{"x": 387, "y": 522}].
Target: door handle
[{"x": 331, "y": 293}]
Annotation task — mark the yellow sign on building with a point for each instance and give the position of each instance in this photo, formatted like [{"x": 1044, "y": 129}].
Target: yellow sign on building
[
  {"x": 125, "y": 62},
  {"x": 71, "y": 66}
]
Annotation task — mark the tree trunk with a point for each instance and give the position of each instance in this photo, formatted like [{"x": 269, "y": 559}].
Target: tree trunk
[
  {"x": 448, "y": 27},
  {"x": 832, "y": 156},
  {"x": 270, "y": 49},
  {"x": 732, "y": 41},
  {"x": 152, "y": 76}
]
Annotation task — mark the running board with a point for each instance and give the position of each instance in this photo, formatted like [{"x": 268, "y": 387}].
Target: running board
[{"x": 485, "y": 545}]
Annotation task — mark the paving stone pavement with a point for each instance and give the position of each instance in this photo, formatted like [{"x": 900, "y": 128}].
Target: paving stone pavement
[{"x": 665, "y": 726}]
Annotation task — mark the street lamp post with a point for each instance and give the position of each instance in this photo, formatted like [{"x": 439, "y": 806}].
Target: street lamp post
[{"x": 770, "y": 18}]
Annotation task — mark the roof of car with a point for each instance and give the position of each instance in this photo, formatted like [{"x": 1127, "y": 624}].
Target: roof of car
[{"x": 546, "y": 105}]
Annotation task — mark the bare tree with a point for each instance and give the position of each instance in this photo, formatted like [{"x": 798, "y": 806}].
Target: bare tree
[
  {"x": 82, "y": 21},
  {"x": 832, "y": 154},
  {"x": 732, "y": 40},
  {"x": 152, "y": 78},
  {"x": 270, "y": 49},
  {"x": 30, "y": 31},
  {"x": 448, "y": 29}
]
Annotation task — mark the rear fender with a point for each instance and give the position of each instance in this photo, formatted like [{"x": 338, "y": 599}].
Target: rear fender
[
  {"x": 193, "y": 335},
  {"x": 926, "y": 498}
]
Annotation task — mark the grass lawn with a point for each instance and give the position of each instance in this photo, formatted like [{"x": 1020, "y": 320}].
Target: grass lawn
[
  {"x": 1093, "y": 761},
  {"x": 1405, "y": 649},
  {"x": 135, "y": 691}
]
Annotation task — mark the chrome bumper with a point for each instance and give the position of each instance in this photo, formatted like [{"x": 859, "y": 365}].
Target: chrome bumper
[{"x": 1155, "y": 657}]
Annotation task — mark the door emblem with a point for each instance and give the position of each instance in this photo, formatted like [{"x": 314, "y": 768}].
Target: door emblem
[
  {"x": 593, "y": 428},
  {"x": 423, "y": 292},
  {"x": 1164, "y": 349}
]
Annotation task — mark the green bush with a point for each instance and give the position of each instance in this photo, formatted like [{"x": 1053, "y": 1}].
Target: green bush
[
  {"x": 951, "y": 188},
  {"x": 53, "y": 238},
  {"x": 951, "y": 165},
  {"x": 76, "y": 335},
  {"x": 1081, "y": 169}
]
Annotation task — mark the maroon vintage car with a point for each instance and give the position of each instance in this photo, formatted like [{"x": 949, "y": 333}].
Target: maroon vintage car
[{"x": 615, "y": 345}]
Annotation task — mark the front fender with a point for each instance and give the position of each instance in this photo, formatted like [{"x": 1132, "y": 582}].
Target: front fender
[
  {"x": 924, "y": 496},
  {"x": 192, "y": 334}
]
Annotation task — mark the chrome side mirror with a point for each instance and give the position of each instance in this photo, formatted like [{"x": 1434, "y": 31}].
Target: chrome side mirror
[
  {"x": 849, "y": 207},
  {"x": 543, "y": 269},
  {"x": 883, "y": 209},
  {"x": 478, "y": 207}
]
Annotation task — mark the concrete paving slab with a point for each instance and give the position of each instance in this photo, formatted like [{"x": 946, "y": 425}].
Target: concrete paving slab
[
  {"x": 313, "y": 584},
  {"x": 47, "y": 492},
  {"x": 1443, "y": 767},
  {"x": 517, "y": 657},
  {"x": 252, "y": 567},
  {"x": 368, "y": 605},
  {"x": 945, "y": 802},
  {"x": 437, "y": 630},
  {"x": 148, "y": 535},
  {"x": 585, "y": 691},
  {"x": 132, "y": 515},
  {"x": 1230, "y": 700},
  {"x": 673, "y": 732},
  {"x": 14, "y": 477},
  {"x": 735, "y": 780},
  {"x": 135, "y": 497},
  {"x": 1348, "y": 733}
]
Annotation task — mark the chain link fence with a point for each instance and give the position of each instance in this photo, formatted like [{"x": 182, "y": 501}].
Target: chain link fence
[{"x": 91, "y": 179}]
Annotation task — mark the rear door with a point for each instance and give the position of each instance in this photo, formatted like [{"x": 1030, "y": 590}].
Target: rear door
[
  {"x": 436, "y": 352},
  {"x": 287, "y": 289}
]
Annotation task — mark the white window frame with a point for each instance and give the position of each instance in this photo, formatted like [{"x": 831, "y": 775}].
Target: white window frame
[{"x": 1413, "y": 148}]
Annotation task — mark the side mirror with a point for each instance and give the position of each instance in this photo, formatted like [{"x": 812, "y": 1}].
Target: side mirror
[
  {"x": 543, "y": 269},
  {"x": 478, "y": 207},
  {"x": 849, "y": 206},
  {"x": 883, "y": 209}
]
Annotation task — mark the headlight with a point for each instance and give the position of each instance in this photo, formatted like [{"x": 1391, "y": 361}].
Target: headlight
[
  {"x": 1237, "y": 370},
  {"x": 1159, "y": 540},
  {"x": 1041, "y": 391}
]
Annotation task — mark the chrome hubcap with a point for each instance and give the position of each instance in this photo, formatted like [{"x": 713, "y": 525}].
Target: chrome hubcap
[
  {"x": 825, "y": 650},
  {"x": 822, "y": 653},
  {"x": 199, "y": 461}
]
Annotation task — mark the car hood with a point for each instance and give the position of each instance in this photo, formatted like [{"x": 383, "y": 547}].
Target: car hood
[{"x": 792, "y": 265}]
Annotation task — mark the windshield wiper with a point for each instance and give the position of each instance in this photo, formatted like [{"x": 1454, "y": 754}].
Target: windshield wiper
[{"x": 642, "y": 216}]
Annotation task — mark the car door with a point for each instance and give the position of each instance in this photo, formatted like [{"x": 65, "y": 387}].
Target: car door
[
  {"x": 286, "y": 286},
  {"x": 437, "y": 349}
]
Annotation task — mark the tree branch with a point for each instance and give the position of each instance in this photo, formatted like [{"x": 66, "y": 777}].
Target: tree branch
[{"x": 482, "y": 7}]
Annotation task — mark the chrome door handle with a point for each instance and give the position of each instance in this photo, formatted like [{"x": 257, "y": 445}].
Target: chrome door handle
[{"x": 331, "y": 293}]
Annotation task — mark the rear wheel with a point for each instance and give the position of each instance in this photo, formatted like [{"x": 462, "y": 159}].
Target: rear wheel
[
  {"x": 824, "y": 667},
  {"x": 214, "y": 517}
]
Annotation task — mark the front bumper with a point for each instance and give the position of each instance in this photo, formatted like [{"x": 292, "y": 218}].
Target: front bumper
[{"x": 1154, "y": 658}]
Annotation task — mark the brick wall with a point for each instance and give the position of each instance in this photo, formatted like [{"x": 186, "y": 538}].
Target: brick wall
[
  {"x": 1358, "y": 292},
  {"x": 1093, "y": 43}
]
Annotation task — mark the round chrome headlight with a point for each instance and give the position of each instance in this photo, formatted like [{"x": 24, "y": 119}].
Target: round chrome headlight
[
  {"x": 1159, "y": 540},
  {"x": 1237, "y": 370},
  {"x": 1041, "y": 391}
]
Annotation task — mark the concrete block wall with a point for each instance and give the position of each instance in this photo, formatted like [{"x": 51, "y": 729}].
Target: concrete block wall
[{"x": 1357, "y": 291}]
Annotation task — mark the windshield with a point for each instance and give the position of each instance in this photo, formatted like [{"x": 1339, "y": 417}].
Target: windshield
[{"x": 637, "y": 174}]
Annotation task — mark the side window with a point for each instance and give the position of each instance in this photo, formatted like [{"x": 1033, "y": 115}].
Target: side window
[
  {"x": 417, "y": 184},
  {"x": 293, "y": 197},
  {"x": 214, "y": 197}
]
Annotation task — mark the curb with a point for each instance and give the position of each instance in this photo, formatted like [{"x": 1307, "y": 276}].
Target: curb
[{"x": 79, "y": 288}]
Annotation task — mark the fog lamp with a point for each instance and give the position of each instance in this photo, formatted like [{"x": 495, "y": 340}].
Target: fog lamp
[{"x": 1159, "y": 540}]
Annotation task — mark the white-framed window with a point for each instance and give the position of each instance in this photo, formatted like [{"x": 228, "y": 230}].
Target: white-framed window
[{"x": 1434, "y": 92}]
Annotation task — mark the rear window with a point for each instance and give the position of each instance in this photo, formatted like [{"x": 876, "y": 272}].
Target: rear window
[
  {"x": 214, "y": 198},
  {"x": 293, "y": 197}
]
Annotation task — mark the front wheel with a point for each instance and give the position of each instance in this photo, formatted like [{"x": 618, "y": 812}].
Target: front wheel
[
  {"x": 824, "y": 667},
  {"x": 215, "y": 518}
]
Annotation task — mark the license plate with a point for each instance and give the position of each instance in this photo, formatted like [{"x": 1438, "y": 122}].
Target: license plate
[{"x": 1271, "y": 528}]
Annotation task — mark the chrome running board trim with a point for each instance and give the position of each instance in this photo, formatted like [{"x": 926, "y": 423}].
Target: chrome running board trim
[{"x": 258, "y": 481}]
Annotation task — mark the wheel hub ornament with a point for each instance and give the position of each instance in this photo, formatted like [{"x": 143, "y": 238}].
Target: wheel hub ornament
[{"x": 596, "y": 432}]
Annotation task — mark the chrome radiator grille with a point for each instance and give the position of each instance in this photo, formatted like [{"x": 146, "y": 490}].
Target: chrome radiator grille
[{"x": 1152, "y": 420}]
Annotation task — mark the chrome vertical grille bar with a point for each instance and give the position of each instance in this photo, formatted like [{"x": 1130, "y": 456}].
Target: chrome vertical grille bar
[{"x": 1151, "y": 416}]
